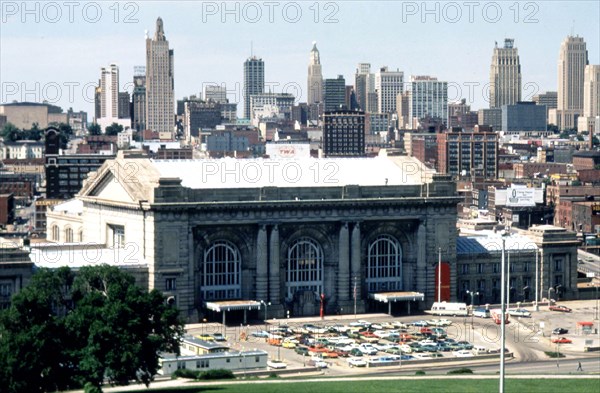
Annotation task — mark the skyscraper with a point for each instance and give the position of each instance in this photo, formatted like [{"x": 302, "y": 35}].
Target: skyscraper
[
  {"x": 334, "y": 96},
  {"x": 315, "y": 77},
  {"x": 160, "y": 102},
  {"x": 364, "y": 83},
  {"x": 590, "y": 121},
  {"x": 505, "y": 75},
  {"x": 254, "y": 81},
  {"x": 388, "y": 84},
  {"x": 428, "y": 98},
  {"x": 138, "y": 98},
  {"x": 109, "y": 91},
  {"x": 572, "y": 60}
]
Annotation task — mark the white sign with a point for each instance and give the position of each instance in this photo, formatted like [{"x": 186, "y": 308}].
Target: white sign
[
  {"x": 520, "y": 196},
  {"x": 288, "y": 150}
]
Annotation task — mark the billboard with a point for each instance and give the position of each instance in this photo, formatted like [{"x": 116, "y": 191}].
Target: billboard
[
  {"x": 520, "y": 196},
  {"x": 288, "y": 150}
]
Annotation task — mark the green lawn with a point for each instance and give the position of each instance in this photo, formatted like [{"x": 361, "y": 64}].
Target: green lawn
[{"x": 403, "y": 386}]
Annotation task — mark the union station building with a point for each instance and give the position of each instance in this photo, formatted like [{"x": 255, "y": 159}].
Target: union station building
[{"x": 286, "y": 236}]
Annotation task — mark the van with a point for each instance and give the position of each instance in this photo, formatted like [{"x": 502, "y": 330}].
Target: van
[
  {"x": 481, "y": 313},
  {"x": 479, "y": 350}
]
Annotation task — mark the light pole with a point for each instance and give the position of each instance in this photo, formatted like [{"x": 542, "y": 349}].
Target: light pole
[
  {"x": 508, "y": 280},
  {"x": 354, "y": 295},
  {"x": 502, "y": 313},
  {"x": 439, "y": 291},
  {"x": 267, "y": 304},
  {"x": 537, "y": 285},
  {"x": 557, "y": 290},
  {"x": 472, "y": 305},
  {"x": 549, "y": 298}
]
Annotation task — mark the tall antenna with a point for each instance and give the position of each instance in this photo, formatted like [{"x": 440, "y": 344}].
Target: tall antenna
[{"x": 251, "y": 49}]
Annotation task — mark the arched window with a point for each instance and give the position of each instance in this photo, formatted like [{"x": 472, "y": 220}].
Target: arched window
[
  {"x": 68, "y": 235},
  {"x": 55, "y": 233},
  {"x": 80, "y": 235},
  {"x": 384, "y": 265},
  {"x": 304, "y": 267},
  {"x": 222, "y": 272}
]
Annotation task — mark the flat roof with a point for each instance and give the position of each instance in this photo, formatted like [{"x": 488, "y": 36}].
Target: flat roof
[
  {"x": 203, "y": 343},
  {"x": 229, "y": 354},
  {"x": 487, "y": 241},
  {"x": 295, "y": 172},
  {"x": 228, "y": 305},
  {"x": 387, "y": 297}
]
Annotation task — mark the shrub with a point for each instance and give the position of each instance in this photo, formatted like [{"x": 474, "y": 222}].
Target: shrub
[
  {"x": 463, "y": 370},
  {"x": 218, "y": 373},
  {"x": 185, "y": 373},
  {"x": 90, "y": 388},
  {"x": 420, "y": 372},
  {"x": 554, "y": 354},
  {"x": 273, "y": 375}
]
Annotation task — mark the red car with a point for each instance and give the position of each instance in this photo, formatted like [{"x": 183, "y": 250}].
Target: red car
[
  {"x": 561, "y": 340},
  {"x": 560, "y": 308}
]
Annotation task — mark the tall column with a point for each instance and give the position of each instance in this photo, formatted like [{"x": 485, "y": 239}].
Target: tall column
[
  {"x": 344, "y": 264},
  {"x": 421, "y": 258},
  {"x": 261, "y": 264},
  {"x": 355, "y": 260},
  {"x": 274, "y": 266}
]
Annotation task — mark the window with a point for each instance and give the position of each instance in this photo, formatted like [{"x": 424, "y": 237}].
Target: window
[
  {"x": 222, "y": 271},
  {"x": 6, "y": 289},
  {"x": 480, "y": 268},
  {"x": 116, "y": 236},
  {"x": 558, "y": 265},
  {"x": 464, "y": 268},
  {"x": 69, "y": 235},
  {"x": 384, "y": 265},
  {"x": 55, "y": 233},
  {"x": 80, "y": 236},
  {"x": 496, "y": 268},
  {"x": 170, "y": 284},
  {"x": 526, "y": 267},
  {"x": 304, "y": 267}
]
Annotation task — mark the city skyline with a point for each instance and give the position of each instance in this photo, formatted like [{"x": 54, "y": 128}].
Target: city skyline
[{"x": 462, "y": 58}]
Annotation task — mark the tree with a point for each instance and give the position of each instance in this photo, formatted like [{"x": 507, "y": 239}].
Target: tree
[
  {"x": 113, "y": 129},
  {"x": 10, "y": 132},
  {"x": 66, "y": 330},
  {"x": 94, "y": 129}
]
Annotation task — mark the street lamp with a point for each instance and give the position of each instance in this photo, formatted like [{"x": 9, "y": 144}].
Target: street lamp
[
  {"x": 472, "y": 306},
  {"x": 439, "y": 292},
  {"x": 267, "y": 304},
  {"x": 503, "y": 311},
  {"x": 549, "y": 298}
]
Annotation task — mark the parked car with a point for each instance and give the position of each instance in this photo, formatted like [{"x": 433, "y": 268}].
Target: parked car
[
  {"x": 219, "y": 337},
  {"x": 560, "y": 308},
  {"x": 357, "y": 362},
  {"x": 300, "y": 350},
  {"x": 463, "y": 353},
  {"x": 439, "y": 322},
  {"x": 259, "y": 333},
  {"x": 208, "y": 337},
  {"x": 355, "y": 352},
  {"x": 519, "y": 312},
  {"x": 560, "y": 330},
  {"x": 562, "y": 340},
  {"x": 276, "y": 364},
  {"x": 420, "y": 323},
  {"x": 288, "y": 344},
  {"x": 465, "y": 344}
]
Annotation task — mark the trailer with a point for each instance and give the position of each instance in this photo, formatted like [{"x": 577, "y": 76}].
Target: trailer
[{"x": 446, "y": 308}]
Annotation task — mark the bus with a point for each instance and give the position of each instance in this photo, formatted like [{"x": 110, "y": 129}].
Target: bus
[
  {"x": 445, "y": 308},
  {"x": 497, "y": 316}
]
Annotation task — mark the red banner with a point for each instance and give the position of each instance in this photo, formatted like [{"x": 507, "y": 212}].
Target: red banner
[{"x": 443, "y": 283}]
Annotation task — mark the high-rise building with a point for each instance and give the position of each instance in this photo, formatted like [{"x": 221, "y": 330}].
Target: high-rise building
[
  {"x": 271, "y": 105},
  {"x": 315, "y": 77},
  {"x": 109, "y": 91},
  {"x": 428, "y": 98},
  {"x": 124, "y": 105},
  {"x": 572, "y": 59},
  {"x": 591, "y": 100},
  {"x": 364, "y": 84},
  {"x": 548, "y": 99},
  {"x": 215, "y": 93},
  {"x": 403, "y": 110},
  {"x": 524, "y": 116},
  {"x": 160, "y": 102},
  {"x": 334, "y": 96},
  {"x": 254, "y": 82},
  {"x": 344, "y": 134},
  {"x": 387, "y": 85},
  {"x": 505, "y": 75},
  {"x": 138, "y": 99},
  {"x": 472, "y": 154},
  {"x": 490, "y": 117}
]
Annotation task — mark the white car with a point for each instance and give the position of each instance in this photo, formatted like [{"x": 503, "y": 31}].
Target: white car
[
  {"x": 387, "y": 325},
  {"x": 383, "y": 347},
  {"x": 367, "y": 349},
  {"x": 463, "y": 354},
  {"x": 276, "y": 364},
  {"x": 519, "y": 312},
  {"x": 382, "y": 333},
  {"x": 357, "y": 362},
  {"x": 424, "y": 355},
  {"x": 439, "y": 322},
  {"x": 400, "y": 325},
  {"x": 405, "y": 348},
  {"x": 321, "y": 364}
]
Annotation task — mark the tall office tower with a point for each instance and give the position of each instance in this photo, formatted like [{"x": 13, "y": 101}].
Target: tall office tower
[
  {"x": 361, "y": 84},
  {"x": 109, "y": 92},
  {"x": 124, "y": 105},
  {"x": 315, "y": 77},
  {"x": 505, "y": 75},
  {"x": 428, "y": 98},
  {"x": 254, "y": 81},
  {"x": 160, "y": 104},
  {"x": 387, "y": 85},
  {"x": 591, "y": 100},
  {"x": 334, "y": 95},
  {"x": 403, "y": 110},
  {"x": 572, "y": 59},
  {"x": 138, "y": 99}
]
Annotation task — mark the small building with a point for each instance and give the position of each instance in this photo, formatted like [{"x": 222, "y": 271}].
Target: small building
[
  {"x": 234, "y": 361},
  {"x": 201, "y": 347}
]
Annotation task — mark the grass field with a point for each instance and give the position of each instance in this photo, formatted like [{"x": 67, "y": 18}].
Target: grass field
[{"x": 403, "y": 386}]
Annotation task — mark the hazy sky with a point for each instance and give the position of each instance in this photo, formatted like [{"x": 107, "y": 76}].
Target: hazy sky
[{"x": 54, "y": 50}]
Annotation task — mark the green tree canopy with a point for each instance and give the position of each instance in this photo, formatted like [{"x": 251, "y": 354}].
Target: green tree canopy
[
  {"x": 66, "y": 329},
  {"x": 94, "y": 129},
  {"x": 113, "y": 129}
]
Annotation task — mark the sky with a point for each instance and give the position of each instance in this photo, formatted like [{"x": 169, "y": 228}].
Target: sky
[{"x": 54, "y": 50}]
